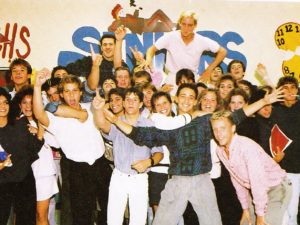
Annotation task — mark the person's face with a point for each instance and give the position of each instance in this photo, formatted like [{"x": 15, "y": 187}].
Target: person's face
[
  {"x": 216, "y": 74},
  {"x": 108, "y": 48},
  {"x": 209, "y": 102},
  {"x": 4, "y": 107},
  {"x": 140, "y": 80},
  {"x": 223, "y": 131},
  {"x": 108, "y": 85},
  {"x": 163, "y": 106},
  {"x": 71, "y": 95},
  {"x": 60, "y": 74},
  {"x": 147, "y": 97},
  {"x": 19, "y": 75},
  {"x": 236, "y": 102},
  {"x": 116, "y": 103},
  {"x": 123, "y": 79},
  {"x": 225, "y": 87},
  {"x": 26, "y": 106},
  {"x": 290, "y": 92},
  {"x": 265, "y": 111},
  {"x": 237, "y": 71},
  {"x": 132, "y": 104},
  {"x": 53, "y": 94},
  {"x": 187, "y": 26},
  {"x": 184, "y": 80},
  {"x": 246, "y": 88},
  {"x": 186, "y": 100}
]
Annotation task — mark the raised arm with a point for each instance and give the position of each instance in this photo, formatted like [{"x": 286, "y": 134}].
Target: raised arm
[
  {"x": 94, "y": 76},
  {"x": 98, "y": 106},
  {"x": 221, "y": 54},
  {"x": 148, "y": 136},
  {"x": 38, "y": 107},
  {"x": 275, "y": 96},
  {"x": 147, "y": 64},
  {"x": 120, "y": 34}
]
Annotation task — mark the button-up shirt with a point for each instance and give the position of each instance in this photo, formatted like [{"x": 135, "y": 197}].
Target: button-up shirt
[{"x": 251, "y": 168}]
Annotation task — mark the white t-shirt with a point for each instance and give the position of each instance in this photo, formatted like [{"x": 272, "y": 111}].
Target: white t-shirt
[
  {"x": 81, "y": 142},
  {"x": 182, "y": 56}
]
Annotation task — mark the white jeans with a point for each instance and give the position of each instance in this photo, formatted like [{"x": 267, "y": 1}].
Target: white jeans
[
  {"x": 293, "y": 206},
  {"x": 135, "y": 189}
]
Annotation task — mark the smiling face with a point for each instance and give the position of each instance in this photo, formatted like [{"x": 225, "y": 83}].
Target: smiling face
[
  {"x": 237, "y": 71},
  {"x": 163, "y": 106},
  {"x": 4, "y": 107},
  {"x": 116, "y": 103},
  {"x": 19, "y": 75},
  {"x": 71, "y": 95},
  {"x": 186, "y": 100},
  {"x": 223, "y": 131},
  {"x": 26, "y": 106},
  {"x": 108, "y": 48},
  {"x": 225, "y": 87},
  {"x": 290, "y": 91},
  {"x": 209, "y": 102}
]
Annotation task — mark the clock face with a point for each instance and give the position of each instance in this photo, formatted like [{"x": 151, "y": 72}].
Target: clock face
[
  {"x": 291, "y": 67},
  {"x": 287, "y": 38}
]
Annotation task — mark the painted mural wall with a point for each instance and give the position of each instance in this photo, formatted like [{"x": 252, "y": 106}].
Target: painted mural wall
[{"x": 48, "y": 33}]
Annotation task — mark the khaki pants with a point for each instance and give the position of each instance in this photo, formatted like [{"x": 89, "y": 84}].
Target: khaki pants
[{"x": 278, "y": 201}]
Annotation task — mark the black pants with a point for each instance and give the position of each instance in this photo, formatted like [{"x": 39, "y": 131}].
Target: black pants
[
  {"x": 22, "y": 196},
  {"x": 229, "y": 205},
  {"x": 89, "y": 183}
]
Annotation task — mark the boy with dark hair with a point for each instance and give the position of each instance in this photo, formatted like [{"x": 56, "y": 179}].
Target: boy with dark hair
[
  {"x": 184, "y": 76},
  {"x": 190, "y": 159},
  {"x": 131, "y": 161},
  {"x": 20, "y": 71},
  {"x": 286, "y": 116}
]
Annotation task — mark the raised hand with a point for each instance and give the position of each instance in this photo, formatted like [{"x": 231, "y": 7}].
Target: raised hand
[
  {"x": 139, "y": 57},
  {"x": 120, "y": 33},
  {"x": 42, "y": 76},
  {"x": 110, "y": 116},
  {"x": 98, "y": 101},
  {"x": 97, "y": 58},
  {"x": 276, "y": 96}
]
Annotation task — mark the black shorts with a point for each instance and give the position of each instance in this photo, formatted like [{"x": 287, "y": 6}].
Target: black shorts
[{"x": 157, "y": 182}]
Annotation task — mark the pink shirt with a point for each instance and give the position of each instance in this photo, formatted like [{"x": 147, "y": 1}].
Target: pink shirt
[{"x": 251, "y": 168}]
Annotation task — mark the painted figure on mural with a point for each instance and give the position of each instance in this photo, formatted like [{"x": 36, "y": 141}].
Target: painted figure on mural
[{"x": 158, "y": 22}]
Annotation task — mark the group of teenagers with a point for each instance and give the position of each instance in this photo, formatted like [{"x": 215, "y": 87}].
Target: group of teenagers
[{"x": 127, "y": 142}]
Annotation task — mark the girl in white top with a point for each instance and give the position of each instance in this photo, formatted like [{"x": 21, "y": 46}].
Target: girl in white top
[{"x": 43, "y": 168}]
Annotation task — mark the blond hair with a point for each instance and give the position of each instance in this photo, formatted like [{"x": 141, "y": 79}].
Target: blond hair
[
  {"x": 222, "y": 114},
  {"x": 188, "y": 13},
  {"x": 69, "y": 79}
]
